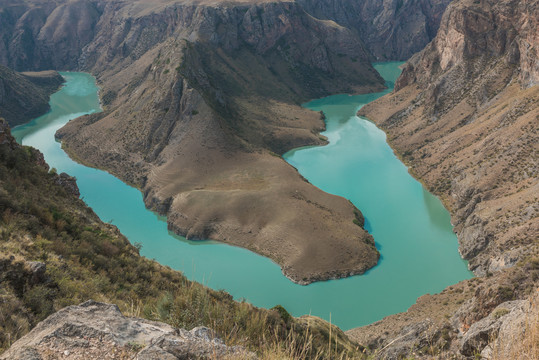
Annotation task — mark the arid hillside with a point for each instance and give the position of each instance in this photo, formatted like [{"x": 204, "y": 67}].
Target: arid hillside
[
  {"x": 464, "y": 117},
  {"x": 24, "y": 96},
  {"x": 56, "y": 252}
]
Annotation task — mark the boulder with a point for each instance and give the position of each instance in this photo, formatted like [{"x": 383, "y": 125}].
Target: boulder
[{"x": 95, "y": 330}]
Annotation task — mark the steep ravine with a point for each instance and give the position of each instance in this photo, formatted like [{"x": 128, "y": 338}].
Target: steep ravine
[
  {"x": 464, "y": 117},
  {"x": 198, "y": 98}
]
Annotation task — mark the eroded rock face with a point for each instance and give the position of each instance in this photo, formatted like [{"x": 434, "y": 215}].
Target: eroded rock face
[
  {"x": 5, "y": 134},
  {"x": 94, "y": 330},
  {"x": 390, "y": 29},
  {"x": 509, "y": 316},
  {"x": 69, "y": 183},
  {"x": 464, "y": 116}
]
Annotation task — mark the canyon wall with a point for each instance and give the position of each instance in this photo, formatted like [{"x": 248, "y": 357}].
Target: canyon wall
[
  {"x": 25, "y": 96},
  {"x": 390, "y": 29},
  {"x": 464, "y": 118}
]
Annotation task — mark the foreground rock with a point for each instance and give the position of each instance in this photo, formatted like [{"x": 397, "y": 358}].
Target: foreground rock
[
  {"x": 96, "y": 330},
  {"x": 427, "y": 330}
]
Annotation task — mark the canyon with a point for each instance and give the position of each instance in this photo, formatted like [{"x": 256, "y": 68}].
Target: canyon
[{"x": 200, "y": 99}]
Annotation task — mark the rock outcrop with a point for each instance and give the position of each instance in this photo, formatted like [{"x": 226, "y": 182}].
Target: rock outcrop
[
  {"x": 95, "y": 330},
  {"x": 24, "y": 96},
  {"x": 482, "y": 332},
  {"x": 507, "y": 331},
  {"x": 5, "y": 134}
]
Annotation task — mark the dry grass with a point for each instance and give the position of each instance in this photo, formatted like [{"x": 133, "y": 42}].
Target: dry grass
[{"x": 87, "y": 259}]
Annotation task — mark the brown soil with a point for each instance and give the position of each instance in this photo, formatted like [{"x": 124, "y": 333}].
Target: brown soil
[{"x": 200, "y": 128}]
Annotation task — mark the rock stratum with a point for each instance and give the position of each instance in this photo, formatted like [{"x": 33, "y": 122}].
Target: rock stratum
[
  {"x": 25, "y": 96},
  {"x": 464, "y": 117}
]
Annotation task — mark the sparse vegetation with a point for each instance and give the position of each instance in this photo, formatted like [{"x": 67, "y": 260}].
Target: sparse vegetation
[{"x": 41, "y": 223}]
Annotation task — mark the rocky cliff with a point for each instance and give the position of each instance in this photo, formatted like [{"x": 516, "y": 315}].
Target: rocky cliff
[
  {"x": 464, "y": 117},
  {"x": 24, "y": 96},
  {"x": 53, "y": 35},
  {"x": 390, "y": 29}
]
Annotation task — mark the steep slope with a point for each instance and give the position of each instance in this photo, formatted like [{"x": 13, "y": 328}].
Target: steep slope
[
  {"x": 55, "y": 252},
  {"x": 24, "y": 96},
  {"x": 198, "y": 98},
  {"x": 390, "y": 29},
  {"x": 44, "y": 34},
  {"x": 464, "y": 117}
]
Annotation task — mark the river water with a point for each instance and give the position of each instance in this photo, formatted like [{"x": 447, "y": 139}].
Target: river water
[{"x": 410, "y": 226}]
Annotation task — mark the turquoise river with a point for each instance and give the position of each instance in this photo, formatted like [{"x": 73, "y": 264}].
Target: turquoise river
[{"x": 410, "y": 226}]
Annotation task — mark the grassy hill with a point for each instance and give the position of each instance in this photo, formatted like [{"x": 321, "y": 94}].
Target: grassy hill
[{"x": 55, "y": 252}]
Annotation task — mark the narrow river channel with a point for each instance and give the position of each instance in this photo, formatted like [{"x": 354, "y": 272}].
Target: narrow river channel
[{"x": 410, "y": 226}]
